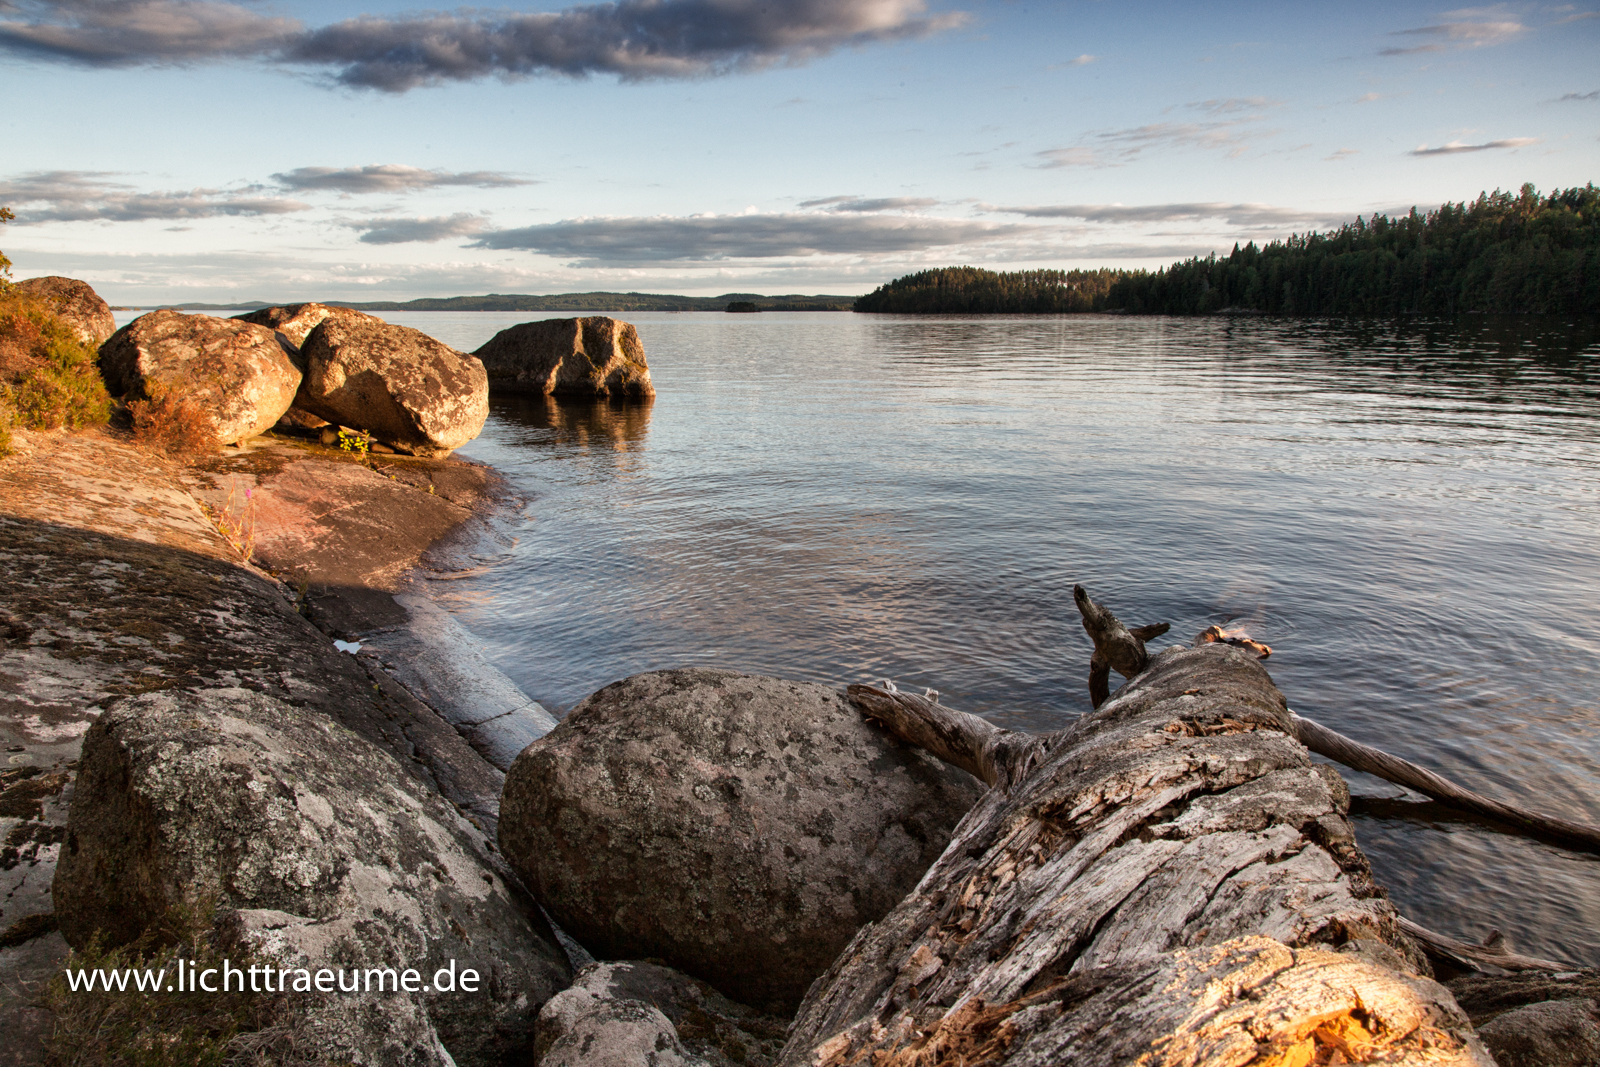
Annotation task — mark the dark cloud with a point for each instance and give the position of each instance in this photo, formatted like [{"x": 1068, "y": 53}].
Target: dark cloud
[
  {"x": 1456, "y": 147},
  {"x": 116, "y": 33},
  {"x": 634, "y": 39},
  {"x": 1233, "y": 214},
  {"x": 617, "y": 241},
  {"x": 394, "y": 231},
  {"x": 75, "y": 196},
  {"x": 1465, "y": 33},
  {"x": 861, "y": 204},
  {"x": 1565, "y": 97},
  {"x": 387, "y": 178}
]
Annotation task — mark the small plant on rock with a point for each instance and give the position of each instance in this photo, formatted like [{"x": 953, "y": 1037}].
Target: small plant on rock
[
  {"x": 353, "y": 441},
  {"x": 236, "y": 520},
  {"x": 172, "y": 420}
]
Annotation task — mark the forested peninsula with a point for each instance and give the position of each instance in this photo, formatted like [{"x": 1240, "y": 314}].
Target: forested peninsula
[{"x": 1504, "y": 253}]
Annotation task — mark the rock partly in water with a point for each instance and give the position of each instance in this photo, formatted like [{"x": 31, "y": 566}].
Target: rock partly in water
[
  {"x": 1552, "y": 1033},
  {"x": 636, "y": 1014},
  {"x": 238, "y": 371},
  {"x": 407, "y": 390},
  {"x": 591, "y": 357},
  {"x": 736, "y": 827},
  {"x": 76, "y": 303},
  {"x": 328, "y": 854},
  {"x": 296, "y": 321}
]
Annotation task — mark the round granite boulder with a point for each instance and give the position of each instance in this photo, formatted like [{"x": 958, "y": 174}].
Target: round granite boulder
[
  {"x": 237, "y": 370},
  {"x": 410, "y": 392},
  {"x": 296, "y": 321},
  {"x": 736, "y": 827},
  {"x": 78, "y": 305},
  {"x": 590, "y": 358}
]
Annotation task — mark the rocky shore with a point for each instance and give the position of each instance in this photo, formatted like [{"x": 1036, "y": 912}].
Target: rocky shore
[{"x": 235, "y": 727}]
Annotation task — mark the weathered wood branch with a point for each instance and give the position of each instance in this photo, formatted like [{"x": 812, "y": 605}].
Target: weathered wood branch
[
  {"x": 1175, "y": 882},
  {"x": 995, "y": 756},
  {"x": 1115, "y": 646},
  {"x": 1492, "y": 953},
  {"x": 1336, "y": 746}
]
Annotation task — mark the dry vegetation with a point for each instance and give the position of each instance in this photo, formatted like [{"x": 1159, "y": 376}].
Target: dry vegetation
[
  {"x": 172, "y": 420},
  {"x": 48, "y": 378}
]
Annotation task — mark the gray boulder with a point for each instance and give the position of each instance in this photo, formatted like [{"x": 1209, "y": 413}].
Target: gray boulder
[
  {"x": 407, "y": 390},
  {"x": 237, "y": 370},
  {"x": 736, "y": 827},
  {"x": 327, "y": 853},
  {"x": 596, "y": 357},
  {"x": 1552, "y": 1033},
  {"x": 636, "y": 1014},
  {"x": 296, "y": 321},
  {"x": 76, "y": 303}
]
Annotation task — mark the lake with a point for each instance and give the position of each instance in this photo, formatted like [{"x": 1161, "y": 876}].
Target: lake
[{"x": 1408, "y": 513}]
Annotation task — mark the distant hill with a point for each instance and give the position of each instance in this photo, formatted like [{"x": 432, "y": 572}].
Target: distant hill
[
  {"x": 566, "y": 302},
  {"x": 972, "y": 291}
]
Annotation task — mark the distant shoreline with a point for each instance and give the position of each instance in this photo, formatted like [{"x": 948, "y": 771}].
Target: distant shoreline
[{"x": 599, "y": 301}]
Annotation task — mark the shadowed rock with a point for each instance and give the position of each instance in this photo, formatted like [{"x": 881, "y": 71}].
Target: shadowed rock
[
  {"x": 1552, "y": 1033},
  {"x": 331, "y": 854},
  {"x": 736, "y": 827},
  {"x": 409, "y": 391},
  {"x": 589, "y": 357},
  {"x": 238, "y": 371},
  {"x": 78, "y": 305}
]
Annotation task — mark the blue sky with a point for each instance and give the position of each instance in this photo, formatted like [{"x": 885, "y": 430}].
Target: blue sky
[{"x": 171, "y": 149}]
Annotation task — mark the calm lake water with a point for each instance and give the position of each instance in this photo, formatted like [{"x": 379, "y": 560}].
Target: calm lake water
[{"x": 1409, "y": 514}]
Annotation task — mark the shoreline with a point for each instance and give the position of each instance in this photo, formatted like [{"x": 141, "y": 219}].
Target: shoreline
[{"x": 118, "y": 582}]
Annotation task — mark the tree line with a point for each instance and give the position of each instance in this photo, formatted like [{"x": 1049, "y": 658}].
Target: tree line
[{"x": 1507, "y": 253}]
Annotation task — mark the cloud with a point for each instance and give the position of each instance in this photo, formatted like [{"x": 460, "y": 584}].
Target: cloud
[
  {"x": 1069, "y": 157},
  {"x": 633, "y": 39},
  {"x": 395, "y": 231},
  {"x": 859, "y": 204},
  {"x": 1456, "y": 147},
  {"x": 701, "y": 238},
  {"x": 1343, "y": 153},
  {"x": 1367, "y": 98},
  {"x": 116, "y": 33},
  {"x": 387, "y": 178},
  {"x": 1480, "y": 29},
  {"x": 1232, "y": 105},
  {"x": 1233, "y": 214},
  {"x": 1568, "y": 97},
  {"x": 75, "y": 196},
  {"x": 1109, "y": 148}
]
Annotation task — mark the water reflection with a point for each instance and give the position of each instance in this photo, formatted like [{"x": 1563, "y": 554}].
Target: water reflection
[{"x": 619, "y": 425}]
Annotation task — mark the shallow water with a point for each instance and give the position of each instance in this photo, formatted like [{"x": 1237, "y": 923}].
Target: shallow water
[{"x": 1409, "y": 514}]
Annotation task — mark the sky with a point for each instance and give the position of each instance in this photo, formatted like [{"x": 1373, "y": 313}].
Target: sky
[{"x": 206, "y": 150}]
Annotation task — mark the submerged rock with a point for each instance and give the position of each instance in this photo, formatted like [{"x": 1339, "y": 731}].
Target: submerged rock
[
  {"x": 737, "y": 827},
  {"x": 296, "y": 321},
  {"x": 76, "y": 303},
  {"x": 589, "y": 357},
  {"x": 330, "y": 855},
  {"x": 409, "y": 391},
  {"x": 238, "y": 371},
  {"x": 637, "y": 1014}
]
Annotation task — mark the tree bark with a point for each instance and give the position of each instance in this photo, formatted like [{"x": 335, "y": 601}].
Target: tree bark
[{"x": 1169, "y": 880}]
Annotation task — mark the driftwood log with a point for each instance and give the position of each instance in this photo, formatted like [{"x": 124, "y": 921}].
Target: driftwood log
[{"x": 1169, "y": 880}]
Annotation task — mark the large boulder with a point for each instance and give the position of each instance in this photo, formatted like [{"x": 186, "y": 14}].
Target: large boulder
[
  {"x": 591, "y": 357},
  {"x": 736, "y": 827},
  {"x": 1551, "y": 1033},
  {"x": 296, "y": 321},
  {"x": 327, "y": 853},
  {"x": 409, "y": 391},
  {"x": 238, "y": 371},
  {"x": 78, "y": 305}
]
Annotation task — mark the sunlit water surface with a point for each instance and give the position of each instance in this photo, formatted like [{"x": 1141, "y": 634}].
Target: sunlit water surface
[{"x": 1409, "y": 514}]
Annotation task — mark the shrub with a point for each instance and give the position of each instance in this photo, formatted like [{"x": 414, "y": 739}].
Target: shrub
[
  {"x": 48, "y": 378},
  {"x": 127, "y": 1028},
  {"x": 172, "y": 420}
]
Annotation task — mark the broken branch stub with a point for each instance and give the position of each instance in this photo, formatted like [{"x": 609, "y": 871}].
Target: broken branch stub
[{"x": 1115, "y": 646}]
